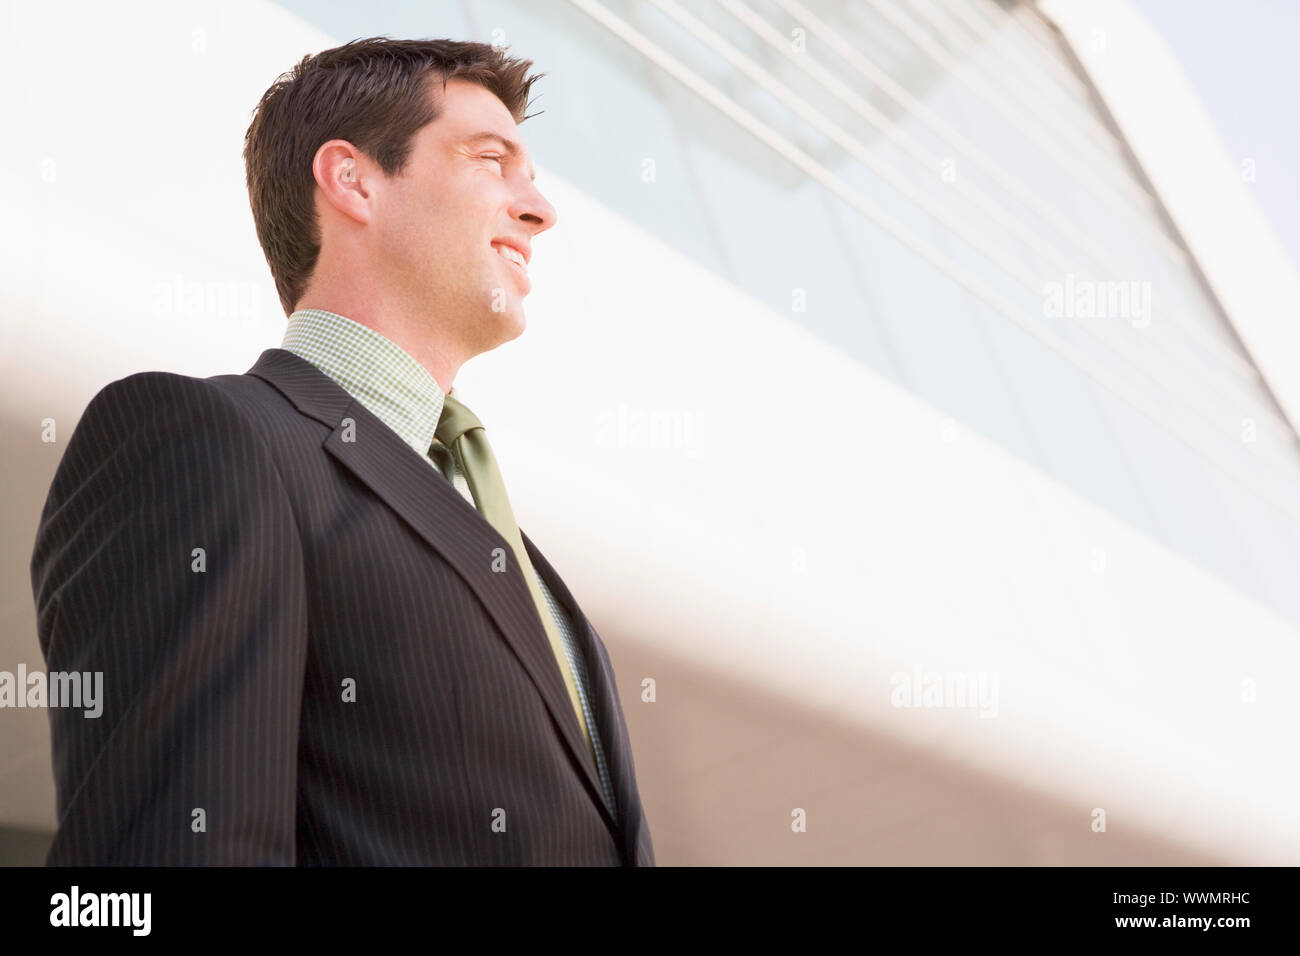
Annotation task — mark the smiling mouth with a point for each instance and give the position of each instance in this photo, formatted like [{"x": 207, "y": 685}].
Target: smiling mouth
[{"x": 511, "y": 255}]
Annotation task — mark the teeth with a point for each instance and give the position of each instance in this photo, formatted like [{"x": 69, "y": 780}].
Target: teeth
[{"x": 514, "y": 255}]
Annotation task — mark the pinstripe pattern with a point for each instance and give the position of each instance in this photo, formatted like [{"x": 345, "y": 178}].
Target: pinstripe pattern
[
  {"x": 328, "y": 560},
  {"x": 404, "y": 396},
  {"x": 572, "y": 649}
]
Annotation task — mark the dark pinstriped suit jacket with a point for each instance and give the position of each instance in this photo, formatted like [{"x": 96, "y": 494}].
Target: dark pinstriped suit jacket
[{"x": 326, "y": 559}]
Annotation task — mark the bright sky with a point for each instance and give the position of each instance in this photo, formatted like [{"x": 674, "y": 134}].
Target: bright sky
[{"x": 1242, "y": 57}]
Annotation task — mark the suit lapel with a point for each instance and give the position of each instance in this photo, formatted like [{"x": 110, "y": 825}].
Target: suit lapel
[
  {"x": 605, "y": 703},
  {"x": 447, "y": 522}
]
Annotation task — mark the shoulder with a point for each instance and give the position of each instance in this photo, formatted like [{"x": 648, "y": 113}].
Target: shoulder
[
  {"x": 156, "y": 403},
  {"x": 168, "y": 418},
  {"x": 166, "y": 394}
]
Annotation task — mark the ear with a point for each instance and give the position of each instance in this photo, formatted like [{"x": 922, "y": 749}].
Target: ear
[{"x": 341, "y": 172}]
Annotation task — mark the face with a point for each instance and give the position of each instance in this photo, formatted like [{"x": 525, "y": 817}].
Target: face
[{"x": 455, "y": 229}]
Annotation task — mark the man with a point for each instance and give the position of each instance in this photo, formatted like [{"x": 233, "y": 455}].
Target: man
[{"x": 324, "y": 640}]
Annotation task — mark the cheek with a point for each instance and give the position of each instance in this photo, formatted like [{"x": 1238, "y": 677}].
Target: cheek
[
  {"x": 438, "y": 230},
  {"x": 443, "y": 223},
  {"x": 419, "y": 235},
  {"x": 399, "y": 225}
]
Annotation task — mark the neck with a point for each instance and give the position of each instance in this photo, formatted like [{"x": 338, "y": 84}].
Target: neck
[{"x": 418, "y": 338}]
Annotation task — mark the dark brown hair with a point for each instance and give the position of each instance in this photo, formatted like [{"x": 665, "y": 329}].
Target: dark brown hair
[{"x": 374, "y": 93}]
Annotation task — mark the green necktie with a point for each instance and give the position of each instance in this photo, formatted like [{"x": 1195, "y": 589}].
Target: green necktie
[{"x": 461, "y": 431}]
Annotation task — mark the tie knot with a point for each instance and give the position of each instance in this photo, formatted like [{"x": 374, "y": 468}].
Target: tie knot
[{"x": 456, "y": 420}]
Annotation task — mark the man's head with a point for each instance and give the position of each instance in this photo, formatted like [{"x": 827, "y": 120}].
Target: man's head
[{"x": 386, "y": 175}]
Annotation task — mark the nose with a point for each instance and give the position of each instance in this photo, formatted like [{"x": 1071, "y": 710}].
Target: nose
[{"x": 533, "y": 208}]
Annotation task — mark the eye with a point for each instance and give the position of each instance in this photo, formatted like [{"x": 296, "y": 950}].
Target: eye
[{"x": 497, "y": 157}]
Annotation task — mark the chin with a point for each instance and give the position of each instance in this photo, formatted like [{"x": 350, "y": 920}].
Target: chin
[
  {"x": 505, "y": 327},
  {"x": 514, "y": 325}
]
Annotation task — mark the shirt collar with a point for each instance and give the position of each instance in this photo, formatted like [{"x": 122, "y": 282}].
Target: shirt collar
[{"x": 374, "y": 369}]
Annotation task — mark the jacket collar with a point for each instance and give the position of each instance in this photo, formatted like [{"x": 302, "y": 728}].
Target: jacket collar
[
  {"x": 373, "y": 369},
  {"x": 375, "y": 454}
]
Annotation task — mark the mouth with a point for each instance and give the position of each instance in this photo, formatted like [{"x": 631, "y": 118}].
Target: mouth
[
  {"x": 514, "y": 257},
  {"x": 512, "y": 254}
]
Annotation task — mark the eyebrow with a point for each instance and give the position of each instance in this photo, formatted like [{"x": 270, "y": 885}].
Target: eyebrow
[{"x": 511, "y": 148}]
